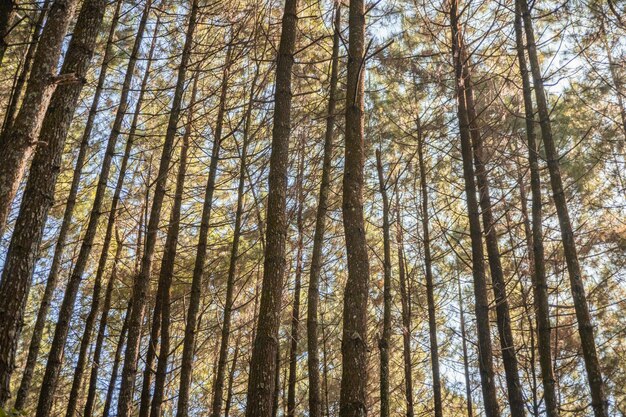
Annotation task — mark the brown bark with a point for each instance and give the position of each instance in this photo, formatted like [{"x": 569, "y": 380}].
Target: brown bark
[
  {"x": 585, "y": 326},
  {"x": 537, "y": 255},
  {"x": 16, "y": 93},
  {"x": 430, "y": 281},
  {"x": 352, "y": 401},
  {"x": 406, "y": 315},
  {"x": 295, "y": 313},
  {"x": 39, "y": 191},
  {"x": 7, "y": 13},
  {"x": 468, "y": 386},
  {"x": 485, "y": 362},
  {"x": 166, "y": 274},
  {"x": 231, "y": 379},
  {"x": 55, "y": 357},
  {"x": 320, "y": 229},
  {"x": 116, "y": 363},
  {"x": 19, "y": 142},
  {"x": 383, "y": 342},
  {"x": 142, "y": 282},
  {"x": 53, "y": 275},
  {"x": 201, "y": 252},
  {"x": 263, "y": 365}
]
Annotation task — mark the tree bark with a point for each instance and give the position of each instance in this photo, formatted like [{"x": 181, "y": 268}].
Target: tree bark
[
  {"x": 261, "y": 384},
  {"x": 430, "y": 281},
  {"x": 19, "y": 142},
  {"x": 354, "y": 340},
  {"x": 383, "y": 343},
  {"x": 55, "y": 357},
  {"x": 406, "y": 314},
  {"x": 53, "y": 275},
  {"x": 320, "y": 229},
  {"x": 39, "y": 191},
  {"x": 231, "y": 379},
  {"x": 7, "y": 13},
  {"x": 468, "y": 386},
  {"x": 142, "y": 282},
  {"x": 537, "y": 254},
  {"x": 116, "y": 363},
  {"x": 599, "y": 401},
  {"x": 487, "y": 375}
]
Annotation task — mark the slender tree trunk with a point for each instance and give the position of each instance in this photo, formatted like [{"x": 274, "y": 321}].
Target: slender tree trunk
[
  {"x": 16, "y": 93},
  {"x": 166, "y": 274},
  {"x": 295, "y": 314},
  {"x": 231, "y": 379},
  {"x": 354, "y": 340},
  {"x": 18, "y": 143},
  {"x": 538, "y": 272},
  {"x": 468, "y": 386},
  {"x": 104, "y": 317},
  {"x": 509, "y": 355},
  {"x": 116, "y": 363},
  {"x": 55, "y": 357},
  {"x": 77, "y": 381},
  {"x": 383, "y": 343},
  {"x": 261, "y": 384},
  {"x": 201, "y": 253},
  {"x": 487, "y": 375},
  {"x": 142, "y": 282},
  {"x": 218, "y": 390},
  {"x": 39, "y": 192},
  {"x": 616, "y": 79},
  {"x": 320, "y": 229},
  {"x": 585, "y": 325},
  {"x": 430, "y": 281},
  {"x": 406, "y": 314}
]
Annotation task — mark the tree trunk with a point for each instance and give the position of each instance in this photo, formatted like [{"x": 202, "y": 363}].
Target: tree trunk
[
  {"x": 538, "y": 271},
  {"x": 320, "y": 229},
  {"x": 39, "y": 191},
  {"x": 585, "y": 326},
  {"x": 261, "y": 384},
  {"x": 430, "y": 281},
  {"x": 18, "y": 143},
  {"x": 201, "y": 253},
  {"x": 7, "y": 13},
  {"x": 468, "y": 386},
  {"x": 231, "y": 379},
  {"x": 142, "y": 282},
  {"x": 354, "y": 340},
  {"x": 53, "y": 275},
  {"x": 509, "y": 356},
  {"x": 383, "y": 343},
  {"x": 487, "y": 375},
  {"x": 55, "y": 357},
  {"x": 16, "y": 93},
  {"x": 406, "y": 314},
  {"x": 116, "y": 363},
  {"x": 166, "y": 274},
  {"x": 295, "y": 314}
]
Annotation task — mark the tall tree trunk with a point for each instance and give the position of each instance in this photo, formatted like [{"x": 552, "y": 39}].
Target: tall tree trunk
[
  {"x": 55, "y": 267},
  {"x": 95, "y": 304},
  {"x": 295, "y": 314},
  {"x": 468, "y": 386},
  {"x": 430, "y": 281},
  {"x": 618, "y": 84},
  {"x": 538, "y": 272},
  {"x": 261, "y": 384},
  {"x": 231, "y": 379},
  {"x": 320, "y": 229},
  {"x": 142, "y": 282},
  {"x": 116, "y": 363},
  {"x": 509, "y": 355},
  {"x": 218, "y": 389},
  {"x": 39, "y": 192},
  {"x": 383, "y": 343},
  {"x": 104, "y": 318},
  {"x": 55, "y": 357},
  {"x": 16, "y": 93},
  {"x": 166, "y": 274},
  {"x": 406, "y": 314},
  {"x": 18, "y": 142},
  {"x": 201, "y": 252},
  {"x": 585, "y": 325},
  {"x": 354, "y": 339},
  {"x": 485, "y": 362}
]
